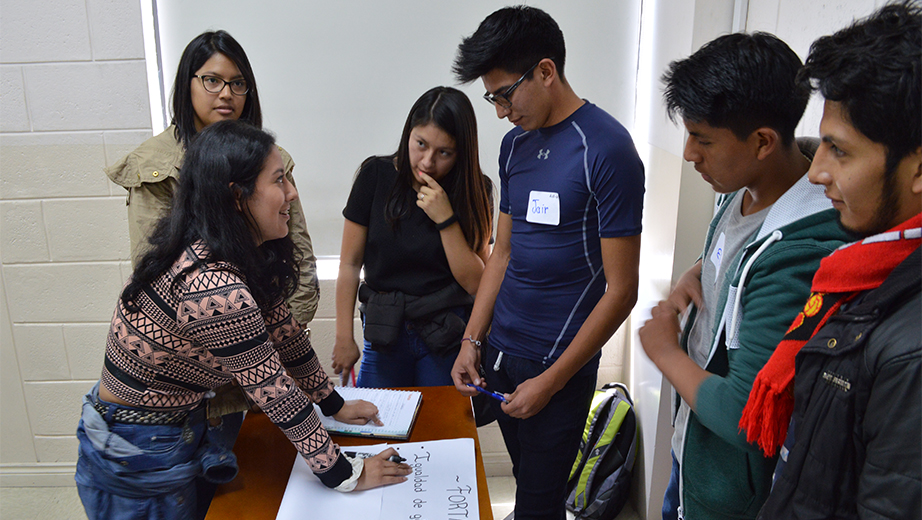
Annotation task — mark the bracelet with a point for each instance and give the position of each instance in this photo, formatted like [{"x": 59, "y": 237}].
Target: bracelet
[
  {"x": 349, "y": 484},
  {"x": 472, "y": 340},
  {"x": 449, "y": 221}
]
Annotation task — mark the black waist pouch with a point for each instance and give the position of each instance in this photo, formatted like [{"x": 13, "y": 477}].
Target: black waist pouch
[
  {"x": 442, "y": 332},
  {"x": 383, "y": 315}
]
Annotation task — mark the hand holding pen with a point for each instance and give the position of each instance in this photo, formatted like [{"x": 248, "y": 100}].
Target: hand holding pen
[
  {"x": 494, "y": 395},
  {"x": 361, "y": 455},
  {"x": 384, "y": 468}
]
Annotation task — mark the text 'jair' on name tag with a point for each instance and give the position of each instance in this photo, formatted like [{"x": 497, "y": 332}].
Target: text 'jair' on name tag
[{"x": 543, "y": 208}]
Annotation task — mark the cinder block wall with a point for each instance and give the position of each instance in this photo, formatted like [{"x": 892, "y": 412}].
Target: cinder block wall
[{"x": 73, "y": 99}]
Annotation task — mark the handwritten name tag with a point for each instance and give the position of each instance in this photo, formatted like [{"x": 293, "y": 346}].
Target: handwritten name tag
[
  {"x": 543, "y": 208},
  {"x": 717, "y": 254}
]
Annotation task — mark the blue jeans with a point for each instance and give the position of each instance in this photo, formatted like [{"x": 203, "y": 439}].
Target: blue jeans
[
  {"x": 671, "y": 498},
  {"x": 542, "y": 447},
  {"x": 139, "y": 471},
  {"x": 408, "y": 362}
]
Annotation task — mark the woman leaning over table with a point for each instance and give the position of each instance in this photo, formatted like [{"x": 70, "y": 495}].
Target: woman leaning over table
[
  {"x": 214, "y": 82},
  {"x": 205, "y": 306},
  {"x": 419, "y": 221}
]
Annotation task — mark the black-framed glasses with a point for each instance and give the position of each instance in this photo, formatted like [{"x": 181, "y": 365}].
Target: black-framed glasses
[
  {"x": 503, "y": 99},
  {"x": 215, "y": 85}
]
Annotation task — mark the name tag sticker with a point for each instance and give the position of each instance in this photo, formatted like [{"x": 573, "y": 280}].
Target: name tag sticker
[
  {"x": 543, "y": 208},
  {"x": 717, "y": 254}
]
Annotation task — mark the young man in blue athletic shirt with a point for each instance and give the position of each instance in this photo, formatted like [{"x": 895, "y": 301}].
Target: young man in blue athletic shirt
[{"x": 563, "y": 273}]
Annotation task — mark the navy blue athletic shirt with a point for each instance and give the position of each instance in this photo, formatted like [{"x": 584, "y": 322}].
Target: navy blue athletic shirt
[{"x": 564, "y": 186}]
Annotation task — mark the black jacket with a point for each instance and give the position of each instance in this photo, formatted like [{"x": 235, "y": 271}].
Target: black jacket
[{"x": 857, "y": 422}]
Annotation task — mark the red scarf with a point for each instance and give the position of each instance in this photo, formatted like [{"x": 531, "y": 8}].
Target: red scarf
[{"x": 851, "y": 269}]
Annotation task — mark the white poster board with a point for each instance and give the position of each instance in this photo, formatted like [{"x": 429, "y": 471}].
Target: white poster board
[{"x": 443, "y": 485}]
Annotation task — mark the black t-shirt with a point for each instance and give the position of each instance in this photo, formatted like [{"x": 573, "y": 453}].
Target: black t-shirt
[{"x": 410, "y": 258}]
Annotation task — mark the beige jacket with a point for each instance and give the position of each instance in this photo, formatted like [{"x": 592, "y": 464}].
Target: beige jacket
[{"x": 151, "y": 173}]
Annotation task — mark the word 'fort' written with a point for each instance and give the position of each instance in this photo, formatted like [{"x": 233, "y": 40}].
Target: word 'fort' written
[{"x": 455, "y": 503}]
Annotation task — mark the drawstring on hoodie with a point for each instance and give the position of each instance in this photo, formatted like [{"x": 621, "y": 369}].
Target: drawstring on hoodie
[
  {"x": 774, "y": 237},
  {"x": 499, "y": 359}
]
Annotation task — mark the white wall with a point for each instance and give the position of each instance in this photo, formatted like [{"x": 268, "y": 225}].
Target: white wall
[
  {"x": 676, "y": 212},
  {"x": 337, "y": 79},
  {"x": 799, "y": 23}
]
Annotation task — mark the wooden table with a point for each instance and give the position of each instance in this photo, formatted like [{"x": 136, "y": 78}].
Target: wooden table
[{"x": 266, "y": 456}]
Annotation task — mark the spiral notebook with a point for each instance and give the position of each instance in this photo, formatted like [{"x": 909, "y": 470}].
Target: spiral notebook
[{"x": 397, "y": 409}]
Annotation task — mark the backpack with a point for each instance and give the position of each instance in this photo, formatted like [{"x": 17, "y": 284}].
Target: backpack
[{"x": 600, "y": 479}]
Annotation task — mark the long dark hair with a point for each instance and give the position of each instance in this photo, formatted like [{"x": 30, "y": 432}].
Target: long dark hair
[
  {"x": 218, "y": 176},
  {"x": 467, "y": 188},
  {"x": 199, "y": 50}
]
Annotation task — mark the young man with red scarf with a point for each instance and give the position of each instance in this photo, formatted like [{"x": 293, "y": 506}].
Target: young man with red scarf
[{"x": 845, "y": 383}]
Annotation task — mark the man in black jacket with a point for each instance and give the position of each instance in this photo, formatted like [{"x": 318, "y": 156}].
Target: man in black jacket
[{"x": 854, "y": 447}]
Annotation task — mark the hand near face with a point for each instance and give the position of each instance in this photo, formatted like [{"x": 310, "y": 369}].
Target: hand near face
[{"x": 433, "y": 200}]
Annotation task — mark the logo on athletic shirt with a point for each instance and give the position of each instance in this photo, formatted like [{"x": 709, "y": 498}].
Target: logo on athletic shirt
[{"x": 542, "y": 154}]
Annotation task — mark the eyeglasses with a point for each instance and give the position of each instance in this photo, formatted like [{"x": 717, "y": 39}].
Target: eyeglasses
[
  {"x": 215, "y": 85},
  {"x": 503, "y": 99}
]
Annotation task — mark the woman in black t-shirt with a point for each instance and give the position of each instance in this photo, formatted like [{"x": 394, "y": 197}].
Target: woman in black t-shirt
[{"x": 420, "y": 222}]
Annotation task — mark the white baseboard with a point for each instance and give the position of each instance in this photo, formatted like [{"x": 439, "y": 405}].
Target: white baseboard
[
  {"x": 497, "y": 465},
  {"x": 38, "y": 475}
]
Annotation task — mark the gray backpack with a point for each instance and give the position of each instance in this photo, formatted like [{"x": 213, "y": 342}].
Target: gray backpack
[{"x": 601, "y": 476}]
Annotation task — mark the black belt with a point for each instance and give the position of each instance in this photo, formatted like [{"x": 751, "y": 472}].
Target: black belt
[{"x": 130, "y": 416}]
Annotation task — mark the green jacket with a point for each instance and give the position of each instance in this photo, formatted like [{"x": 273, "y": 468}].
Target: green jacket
[
  {"x": 151, "y": 174},
  {"x": 723, "y": 476}
]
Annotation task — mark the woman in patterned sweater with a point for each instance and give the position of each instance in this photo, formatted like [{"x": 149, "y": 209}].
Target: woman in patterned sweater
[{"x": 203, "y": 307}]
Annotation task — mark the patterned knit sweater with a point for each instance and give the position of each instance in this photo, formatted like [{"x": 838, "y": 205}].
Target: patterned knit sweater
[{"x": 208, "y": 330}]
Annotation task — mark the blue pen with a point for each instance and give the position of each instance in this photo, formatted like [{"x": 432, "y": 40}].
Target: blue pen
[{"x": 494, "y": 395}]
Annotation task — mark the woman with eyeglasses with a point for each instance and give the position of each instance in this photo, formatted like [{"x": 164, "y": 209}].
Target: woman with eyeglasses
[
  {"x": 419, "y": 221},
  {"x": 205, "y": 305},
  {"x": 214, "y": 82}
]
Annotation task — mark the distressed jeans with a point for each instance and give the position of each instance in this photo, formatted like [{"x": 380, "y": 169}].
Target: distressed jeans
[{"x": 158, "y": 472}]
